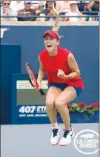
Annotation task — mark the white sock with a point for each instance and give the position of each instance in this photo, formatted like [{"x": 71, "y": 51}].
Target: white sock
[{"x": 55, "y": 126}]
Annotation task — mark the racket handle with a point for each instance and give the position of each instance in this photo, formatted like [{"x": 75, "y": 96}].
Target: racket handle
[{"x": 41, "y": 91}]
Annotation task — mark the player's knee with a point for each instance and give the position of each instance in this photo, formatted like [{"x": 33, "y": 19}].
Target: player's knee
[
  {"x": 58, "y": 103},
  {"x": 49, "y": 104}
]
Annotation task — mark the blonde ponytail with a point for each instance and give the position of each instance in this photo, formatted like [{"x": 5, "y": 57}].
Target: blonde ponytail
[{"x": 56, "y": 26}]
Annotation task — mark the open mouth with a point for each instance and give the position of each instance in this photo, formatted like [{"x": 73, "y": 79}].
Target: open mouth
[{"x": 49, "y": 46}]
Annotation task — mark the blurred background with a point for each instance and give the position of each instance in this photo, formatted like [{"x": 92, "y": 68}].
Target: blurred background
[{"x": 23, "y": 112}]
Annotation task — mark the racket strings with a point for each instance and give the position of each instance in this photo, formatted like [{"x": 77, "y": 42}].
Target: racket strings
[{"x": 33, "y": 80}]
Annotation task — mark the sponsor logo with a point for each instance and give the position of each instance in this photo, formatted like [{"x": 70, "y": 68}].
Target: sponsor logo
[
  {"x": 32, "y": 111},
  {"x": 25, "y": 84},
  {"x": 87, "y": 142}
]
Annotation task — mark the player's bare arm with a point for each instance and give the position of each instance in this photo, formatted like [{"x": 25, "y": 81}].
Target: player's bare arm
[
  {"x": 40, "y": 72},
  {"x": 75, "y": 72}
]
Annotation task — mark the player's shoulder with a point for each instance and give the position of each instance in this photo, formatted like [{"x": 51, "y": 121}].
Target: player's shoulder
[
  {"x": 64, "y": 50},
  {"x": 43, "y": 52}
]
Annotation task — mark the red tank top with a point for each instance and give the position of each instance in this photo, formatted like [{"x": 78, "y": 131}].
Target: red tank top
[{"x": 51, "y": 65}]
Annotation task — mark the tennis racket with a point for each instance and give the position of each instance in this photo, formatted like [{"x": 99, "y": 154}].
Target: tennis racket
[{"x": 32, "y": 78}]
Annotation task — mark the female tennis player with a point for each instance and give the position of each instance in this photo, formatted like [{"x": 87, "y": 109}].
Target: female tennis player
[{"x": 64, "y": 84}]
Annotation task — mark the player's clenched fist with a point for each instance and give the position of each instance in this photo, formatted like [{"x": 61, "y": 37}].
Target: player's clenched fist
[{"x": 61, "y": 74}]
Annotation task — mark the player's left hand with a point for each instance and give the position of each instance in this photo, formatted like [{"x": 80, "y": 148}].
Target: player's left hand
[{"x": 61, "y": 74}]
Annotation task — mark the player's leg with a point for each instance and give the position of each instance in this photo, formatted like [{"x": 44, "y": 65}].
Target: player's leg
[
  {"x": 65, "y": 96},
  {"x": 52, "y": 93}
]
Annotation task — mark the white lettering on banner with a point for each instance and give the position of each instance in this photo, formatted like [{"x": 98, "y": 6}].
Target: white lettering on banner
[
  {"x": 87, "y": 142},
  {"x": 25, "y": 84},
  {"x": 2, "y": 30},
  {"x": 27, "y": 109},
  {"x": 41, "y": 109},
  {"x": 33, "y": 115},
  {"x": 32, "y": 111},
  {"x": 30, "y": 115},
  {"x": 40, "y": 115},
  {"x": 22, "y": 115}
]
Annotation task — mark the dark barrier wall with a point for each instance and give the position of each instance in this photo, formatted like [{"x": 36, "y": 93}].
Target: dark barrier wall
[
  {"x": 10, "y": 63},
  {"x": 83, "y": 41}
]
